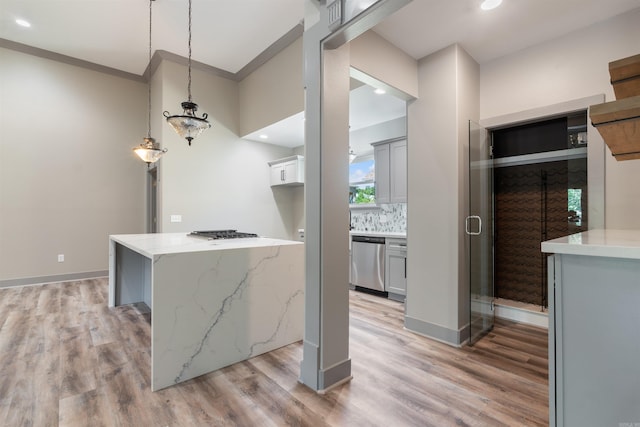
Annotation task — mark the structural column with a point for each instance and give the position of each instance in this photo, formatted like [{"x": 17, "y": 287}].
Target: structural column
[{"x": 326, "y": 360}]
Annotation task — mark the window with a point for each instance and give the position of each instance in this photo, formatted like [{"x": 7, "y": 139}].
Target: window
[
  {"x": 575, "y": 206},
  {"x": 362, "y": 186}
]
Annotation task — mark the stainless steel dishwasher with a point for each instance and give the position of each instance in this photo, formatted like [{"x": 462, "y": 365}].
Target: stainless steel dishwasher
[{"x": 367, "y": 262}]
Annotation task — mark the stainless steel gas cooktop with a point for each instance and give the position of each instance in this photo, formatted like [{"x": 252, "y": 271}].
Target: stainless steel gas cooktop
[{"x": 221, "y": 234}]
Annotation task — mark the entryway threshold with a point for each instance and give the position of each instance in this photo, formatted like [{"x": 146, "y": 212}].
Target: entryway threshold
[{"x": 516, "y": 311}]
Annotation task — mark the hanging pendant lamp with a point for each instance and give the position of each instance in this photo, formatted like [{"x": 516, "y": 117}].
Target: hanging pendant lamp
[
  {"x": 149, "y": 151},
  {"x": 188, "y": 125}
]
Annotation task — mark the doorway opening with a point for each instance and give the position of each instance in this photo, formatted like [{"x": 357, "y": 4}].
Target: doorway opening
[
  {"x": 540, "y": 193},
  {"x": 152, "y": 200}
]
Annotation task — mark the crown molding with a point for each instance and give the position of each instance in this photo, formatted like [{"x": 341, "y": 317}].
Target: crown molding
[
  {"x": 160, "y": 55},
  {"x": 69, "y": 60}
]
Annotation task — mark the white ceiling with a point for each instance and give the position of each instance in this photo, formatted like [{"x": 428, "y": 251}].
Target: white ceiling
[
  {"x": 425, "y": 26},
  {"x": 366, "y": 108},
  {"x": 228, "y": 34}
]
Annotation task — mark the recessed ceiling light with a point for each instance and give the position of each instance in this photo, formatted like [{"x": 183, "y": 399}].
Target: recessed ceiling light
[
  {"x": 379, "y": 91},
  {"x": 23, "y": 23},
  {"x": 490, "y": 4},
  {"x": 263, "y": 136}
]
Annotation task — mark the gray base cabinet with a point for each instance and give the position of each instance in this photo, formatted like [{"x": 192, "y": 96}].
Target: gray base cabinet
[
  {"x": 594, "y": 341},
  {"x": 396, "y": 268}
]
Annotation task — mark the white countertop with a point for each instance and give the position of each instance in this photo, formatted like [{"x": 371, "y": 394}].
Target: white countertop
[
  {"x": 151, "y": 245},
  {"x": 390, "y": 234},
  {"x": 602, "y": 243}
]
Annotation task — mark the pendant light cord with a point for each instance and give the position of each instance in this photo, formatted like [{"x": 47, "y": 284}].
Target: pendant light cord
[
  {"x": 189, "y": 84},
  {"x": 149, "y": 77}
]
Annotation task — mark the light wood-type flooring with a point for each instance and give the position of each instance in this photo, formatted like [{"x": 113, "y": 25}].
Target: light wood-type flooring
[{"x": 67, "y": 359}]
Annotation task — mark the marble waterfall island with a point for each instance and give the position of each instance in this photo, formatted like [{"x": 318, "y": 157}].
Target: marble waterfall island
[{"x": 213, "y": 302}]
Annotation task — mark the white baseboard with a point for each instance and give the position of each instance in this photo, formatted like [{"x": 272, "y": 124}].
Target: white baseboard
[{"x": 43, "y": 280}]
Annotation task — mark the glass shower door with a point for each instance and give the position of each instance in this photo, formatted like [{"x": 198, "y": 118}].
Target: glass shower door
[{"x": 479, "y": 228}]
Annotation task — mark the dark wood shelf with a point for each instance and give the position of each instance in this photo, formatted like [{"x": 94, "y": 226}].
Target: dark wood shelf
[
  {"x": 625, "y": 76},
  {"x": 619, "y": 121},
  {"x": 619, "y": 124}
]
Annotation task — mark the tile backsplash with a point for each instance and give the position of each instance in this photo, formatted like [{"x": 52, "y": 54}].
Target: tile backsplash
[{"x": 389, "y": 218}]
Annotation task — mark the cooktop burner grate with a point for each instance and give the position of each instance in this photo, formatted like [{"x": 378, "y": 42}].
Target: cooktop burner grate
[{"x": 221, "y": 234}]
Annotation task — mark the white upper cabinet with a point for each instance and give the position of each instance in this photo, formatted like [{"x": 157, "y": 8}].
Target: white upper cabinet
[{"x": 288, "y": 171}]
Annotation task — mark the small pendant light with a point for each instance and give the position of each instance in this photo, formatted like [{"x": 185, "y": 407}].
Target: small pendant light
[
  {"x": 188, "y": 125},
  {"x": 149, "y": 151}
]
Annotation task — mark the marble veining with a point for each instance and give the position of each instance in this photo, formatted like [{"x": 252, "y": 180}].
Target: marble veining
[
  {"x": 281, "y": 320},
  {"x": 212, "y": 304},
  {"x": 225, "y": 306}
]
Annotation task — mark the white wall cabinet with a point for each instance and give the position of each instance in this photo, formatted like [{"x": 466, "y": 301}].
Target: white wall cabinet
[
  {"x": 391, "y": 171},
  {"x": 287, "y": 171},
  {"x": 396, "y": 268}
]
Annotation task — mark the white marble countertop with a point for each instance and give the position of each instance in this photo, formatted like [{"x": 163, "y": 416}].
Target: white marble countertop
[
  {"x": 602, "y": 243},
  {"x": 151, "y": 245},
  {"x": 390, "y": 234}
]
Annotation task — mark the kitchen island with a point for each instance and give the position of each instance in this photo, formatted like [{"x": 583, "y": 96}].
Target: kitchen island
[
  {"x": 213, "y": 302},
  {"x": 594, "y": 328}
]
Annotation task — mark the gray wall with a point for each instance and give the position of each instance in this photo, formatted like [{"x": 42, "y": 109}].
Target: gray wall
[
  {"x": 273, "y": 92},
  {"x": 68, "y": 176},
  {"x": 565, "y": 69},
  {"x": 69, "y": 181},
  {"x": 220, "y": 181},
  {"x": 437, "y": 282}
]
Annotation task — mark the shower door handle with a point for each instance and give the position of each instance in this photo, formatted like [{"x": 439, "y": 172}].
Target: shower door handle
[{"x": 467, "y": 227}]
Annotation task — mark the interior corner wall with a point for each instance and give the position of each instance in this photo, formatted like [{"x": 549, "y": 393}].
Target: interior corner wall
[
  {"x": 221, "y": 181},
  {"x": 567, "y": 68},
  {"x": 394, "y": 128},
  {"x": 436, "y": 179},
  {"x": 68, "y": 175},
  {"x": 273, "y": 92}
]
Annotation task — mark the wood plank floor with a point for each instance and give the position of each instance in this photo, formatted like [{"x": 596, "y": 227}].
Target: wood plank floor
[{"x": 68, "y": 360}]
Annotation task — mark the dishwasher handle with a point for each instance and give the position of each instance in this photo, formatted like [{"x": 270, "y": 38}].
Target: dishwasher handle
[{"x": 368, "y": 239}]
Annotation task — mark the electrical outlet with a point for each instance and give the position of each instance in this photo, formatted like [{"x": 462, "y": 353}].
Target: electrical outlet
[
  {"x": 60, "y": 257},
  {"x": 176, "y": 218},
  {"x": 383, "y": 218}
]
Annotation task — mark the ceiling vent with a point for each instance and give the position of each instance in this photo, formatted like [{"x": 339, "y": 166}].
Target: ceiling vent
[{"x": 334, "y": 14}]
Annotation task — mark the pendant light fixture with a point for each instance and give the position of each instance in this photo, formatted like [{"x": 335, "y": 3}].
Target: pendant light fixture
[
  {"x": 490, "y": 4},
  {"x": 188, "y": 125},
  {"x": 149, "y": 151}
]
